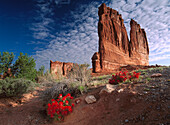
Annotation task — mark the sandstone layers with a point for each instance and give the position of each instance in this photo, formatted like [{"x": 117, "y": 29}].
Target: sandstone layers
[
  {"x": 115, "y": 49},
  {"x": 60, "y": 68}
]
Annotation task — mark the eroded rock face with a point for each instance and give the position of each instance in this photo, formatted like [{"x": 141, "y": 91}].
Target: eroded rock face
[
  {"x": 96, "y": 62},
  {"x": 138, "y": 46},
  {"x": 60, "y": 68},
  {"x": 115, "y": 50}
]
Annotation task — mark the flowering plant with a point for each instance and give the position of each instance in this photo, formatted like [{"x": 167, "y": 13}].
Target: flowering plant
[
  {"x": 122, "y": 77},
  {"x": 118, "y": 77},
  {"x": 134, "y": 75},
  {"x": 60, "y": 107}
]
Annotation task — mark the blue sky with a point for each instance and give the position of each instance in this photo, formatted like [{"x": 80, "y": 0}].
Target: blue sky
[{"x": 66, "y": 30}]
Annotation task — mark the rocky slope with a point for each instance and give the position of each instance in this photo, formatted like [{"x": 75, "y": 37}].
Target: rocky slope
[{"x": 143, "y": 103}]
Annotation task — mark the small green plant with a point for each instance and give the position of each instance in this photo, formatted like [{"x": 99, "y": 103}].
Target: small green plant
[
  {"x": 139, "y": 70},
  {"x": 40, "y": 71},
  {"x": 148, "y": 79},
  {"x": 160, "y": 68},
  {"x": 151, "y": 69},
  {"x": 99, "y": 82},
  {"x": 101, "y": 77},
  {"x": 127, "y": 82},
  {"x": 82, "y": 89},
  {"x": 15, "y": 87},
  {"x": 146, "y": 89}
]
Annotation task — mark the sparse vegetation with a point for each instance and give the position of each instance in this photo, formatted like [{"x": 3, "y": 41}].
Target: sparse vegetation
[
  {"x": 127, "y": 82},
  {"x": 15, "y": 87},
  {"x": 99, "y": 82},
  {"x": 59, "y": 88},
  {"x": 151, "y": 90},
  {"x": 80, "y": 73},
  {"x": 82, "y": 89},
  {"x": 76, "y": 82},
  {"x": 148, "y": 79},
  {"x": 47, "y": 79},
  {"x": 142, "y": 71},
  {"x": 101, "y": 77}
]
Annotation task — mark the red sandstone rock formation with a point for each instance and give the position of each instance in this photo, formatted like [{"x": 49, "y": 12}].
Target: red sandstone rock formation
[
  {"x": 114, "y": 47},
  {"x": 138, "y": 46},
  {"x": 96, "y": 62},
  {"x": 60, "y": 68}
]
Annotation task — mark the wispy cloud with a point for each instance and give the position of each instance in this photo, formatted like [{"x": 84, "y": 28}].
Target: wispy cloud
[
  {"x": 78, "y": 43},
  {"x": 80, "y": 39},
  {"x": 41, "y": 28},
  {"x": 153, "y": 16}
]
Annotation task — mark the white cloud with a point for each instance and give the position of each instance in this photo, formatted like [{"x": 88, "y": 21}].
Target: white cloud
[
  {"x": 80, "y": 40},
  {"x": 153, "y": 16},
  {"x": 42, "y": 27},
  {"x": 78, "y": 43},
  {"x": 160, "y": 57}
]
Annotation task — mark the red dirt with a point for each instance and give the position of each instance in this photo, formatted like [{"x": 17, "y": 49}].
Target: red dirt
[{"x": 132, "y": 106}]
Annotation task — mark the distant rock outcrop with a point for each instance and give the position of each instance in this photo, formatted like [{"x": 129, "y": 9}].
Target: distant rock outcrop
[
  {"x": 60, "y": 68},
  {"x": 115, "y": 50}
]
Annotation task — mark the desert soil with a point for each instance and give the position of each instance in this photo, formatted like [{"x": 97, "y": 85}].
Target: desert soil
[{"x": 146, "y": 102}]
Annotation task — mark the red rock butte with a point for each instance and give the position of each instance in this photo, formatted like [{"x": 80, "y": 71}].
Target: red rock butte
[
  {"x": 60, "y": 68},
  {"x": 115, "y": 49}
]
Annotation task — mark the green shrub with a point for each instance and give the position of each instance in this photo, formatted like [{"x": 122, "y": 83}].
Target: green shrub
[
  {"x": 127, "y": 82},
  {"x": 24, "y": 67},
  {"x": 82, "y": 89},
  {"x": 15, "y": 87},
  {"x": 59, "y": 88},
  {"x": 47, "y": 79}
]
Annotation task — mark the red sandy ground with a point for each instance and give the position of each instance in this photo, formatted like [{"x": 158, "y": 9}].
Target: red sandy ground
[{"x": 132, "y": 106}]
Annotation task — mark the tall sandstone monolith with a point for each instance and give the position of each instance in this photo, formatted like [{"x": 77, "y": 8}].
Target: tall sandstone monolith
[{"x": 115, "y": 49}]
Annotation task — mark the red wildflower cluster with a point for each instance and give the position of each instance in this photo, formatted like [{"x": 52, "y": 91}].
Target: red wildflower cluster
[
  {"x": 135, "y": 75},
  {"x": 60, "y": 107},
  {"x": 119, "y": 77},
  {"x": 122, "y": 77}
]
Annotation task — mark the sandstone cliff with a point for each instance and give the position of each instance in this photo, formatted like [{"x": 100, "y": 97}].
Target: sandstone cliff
[
  {"x": 114, "y": 47},
  {"x": 60, "y": 68},
  {"x": 138, "y": 46}
]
